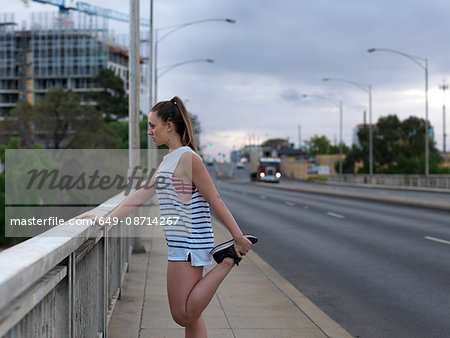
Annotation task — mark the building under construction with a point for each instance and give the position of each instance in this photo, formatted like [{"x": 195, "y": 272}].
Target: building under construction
[{"x": 56, "y": 50}]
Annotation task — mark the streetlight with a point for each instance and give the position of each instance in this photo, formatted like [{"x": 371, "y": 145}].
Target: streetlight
[
  {"x": 168, "y": 68},
  {"x": 444, "y": 87},
  {"x": 368, "y": 89},
  {"x": 418, "y": 61},
  {"x": 339, "y": 104},
  {"x": 172, "y": 29}
]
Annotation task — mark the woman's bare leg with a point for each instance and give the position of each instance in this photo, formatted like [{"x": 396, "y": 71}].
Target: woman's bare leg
[
  {"x": 190, "y": 293},
  {"x": 197, "y": 329}
]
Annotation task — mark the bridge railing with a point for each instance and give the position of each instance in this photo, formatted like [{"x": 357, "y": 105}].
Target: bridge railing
[
  {"x": 416, "y": 181},
  {"x": 66, "y": 281}
]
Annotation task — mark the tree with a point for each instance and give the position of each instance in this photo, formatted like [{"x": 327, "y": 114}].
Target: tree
[
  {"x": 398, "y": 147},
  {"x": 352, "y": 157},
  {"x": 14, "y": 143},
  {"x": 62, "y": 122},
  {"x": 321, "y": 145},
  {"x": 56, "y": 116},
  {"x": 21, "y": 121},
  {"x": 112, "y": 100},
  {"x": 318, "y": 145},
  {"x": 277, "y": 143},
  {"x": 120, "y": 130}
]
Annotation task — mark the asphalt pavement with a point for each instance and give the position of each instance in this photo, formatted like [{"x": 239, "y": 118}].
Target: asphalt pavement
[{"x": 379, "y": 270}]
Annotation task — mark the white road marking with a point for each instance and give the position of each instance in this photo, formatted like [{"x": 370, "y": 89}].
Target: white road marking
[
  {"x": 335, "y": 215},
  {"x": 262, "y": 197},
  {"x": 437, "y": 239},
  {"x": 289, "y": 203}
]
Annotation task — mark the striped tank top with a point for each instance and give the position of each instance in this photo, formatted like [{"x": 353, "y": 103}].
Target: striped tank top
[{"x": 192, "y": 233}]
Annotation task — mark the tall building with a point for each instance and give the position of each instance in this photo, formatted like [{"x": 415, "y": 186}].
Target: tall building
[{"x": 57, "y": 50}]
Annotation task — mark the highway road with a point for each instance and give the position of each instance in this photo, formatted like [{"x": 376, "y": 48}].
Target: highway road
[{"x": 378, "y": 270}]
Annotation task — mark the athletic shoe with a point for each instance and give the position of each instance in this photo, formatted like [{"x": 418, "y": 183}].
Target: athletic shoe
[
  {"x": 226, "y": 249},
  {"x": 252, "y": 238}
]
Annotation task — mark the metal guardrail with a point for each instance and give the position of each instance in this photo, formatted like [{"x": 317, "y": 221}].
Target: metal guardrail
[
  {"x": 416, "y": 181},
  {"x": 66, "y": 281}
]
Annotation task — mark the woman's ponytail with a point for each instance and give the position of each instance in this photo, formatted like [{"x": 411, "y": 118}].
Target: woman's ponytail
[{"x": 175, "y": 111}]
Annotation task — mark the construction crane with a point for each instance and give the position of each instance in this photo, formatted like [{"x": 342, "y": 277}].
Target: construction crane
[{"x": 84, "y": 7}]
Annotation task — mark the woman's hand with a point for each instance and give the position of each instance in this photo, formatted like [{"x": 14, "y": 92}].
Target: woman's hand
[{"x": 242, "y": 245}]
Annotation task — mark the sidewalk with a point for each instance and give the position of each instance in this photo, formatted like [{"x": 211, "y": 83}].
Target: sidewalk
[{"x": 253, "y": 301}]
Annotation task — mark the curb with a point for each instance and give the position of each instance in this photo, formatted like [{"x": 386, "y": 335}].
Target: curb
[{"x": 399, "y": 200}]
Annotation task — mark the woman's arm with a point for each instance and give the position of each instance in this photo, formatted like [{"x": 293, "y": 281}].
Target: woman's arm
[
  {"x": 205, "y": 185},
  {"x": 132, "y": 202}
]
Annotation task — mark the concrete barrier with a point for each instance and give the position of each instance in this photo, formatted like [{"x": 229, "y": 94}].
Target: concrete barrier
[
  {"x": 394, "y": 199},
  {"x": 417, "y": 181},
  {"x": 66, "y": 281}
]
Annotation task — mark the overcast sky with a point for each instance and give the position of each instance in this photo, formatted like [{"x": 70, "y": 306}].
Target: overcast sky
[{"x": 280, "y": 50}]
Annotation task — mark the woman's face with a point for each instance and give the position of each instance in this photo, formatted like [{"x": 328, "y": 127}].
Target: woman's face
[{"x": 157, "y": 129}]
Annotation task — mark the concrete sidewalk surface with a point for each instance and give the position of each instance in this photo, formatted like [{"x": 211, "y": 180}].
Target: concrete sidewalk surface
[{"x": 253, "y": 301}]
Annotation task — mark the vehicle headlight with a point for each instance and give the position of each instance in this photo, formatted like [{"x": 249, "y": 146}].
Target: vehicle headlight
[
  {"x": 262, "y": 174},
  {"x": 278, "y": 175}
]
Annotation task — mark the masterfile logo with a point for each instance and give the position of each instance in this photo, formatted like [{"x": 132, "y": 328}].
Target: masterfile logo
[
  {"x": 46, "y": 188},
  {"x": 72, "y": 176}
]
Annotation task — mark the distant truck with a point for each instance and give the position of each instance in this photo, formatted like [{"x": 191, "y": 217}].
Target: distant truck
[
  {"x": 261, "y": 168},
  {"x": 269, "y": 169}
]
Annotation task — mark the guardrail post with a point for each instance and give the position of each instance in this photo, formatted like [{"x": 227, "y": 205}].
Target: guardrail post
[
  {"x": 71, "y": 270},
  {"x": 105, "y": 281}
]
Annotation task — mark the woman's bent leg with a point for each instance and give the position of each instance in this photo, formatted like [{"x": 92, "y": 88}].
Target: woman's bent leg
[
  {"x": 197, "y": 329},
  {"x": 190, "y": 293}
]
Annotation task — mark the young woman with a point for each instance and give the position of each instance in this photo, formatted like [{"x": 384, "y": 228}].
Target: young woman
[{"x": 185, "y": 190}]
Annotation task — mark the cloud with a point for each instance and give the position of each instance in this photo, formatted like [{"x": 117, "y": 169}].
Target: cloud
[
  {"x": 290, "y": 94},
  {"x": 278, "y": 50}
]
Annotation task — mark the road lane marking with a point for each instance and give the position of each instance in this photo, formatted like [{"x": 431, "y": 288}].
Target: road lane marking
[
  {"x": 306, "y": 207},
  {"x": 437, "y": 239},
  {"x": 262, "y": 197},
  {"x": 335, "y": 215},
  {"x": 289, "y": 203}
]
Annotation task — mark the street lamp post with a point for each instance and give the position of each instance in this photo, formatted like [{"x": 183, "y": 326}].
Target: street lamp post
[
  {"x": 418, "y": 61},
  {"x": 340, "y": 105},
  {"x": 171, "y": 30},
  {"x": 168, "y": 68},
  {"x": 444, "y": 87},
  {"x": 368, "y": 89}
]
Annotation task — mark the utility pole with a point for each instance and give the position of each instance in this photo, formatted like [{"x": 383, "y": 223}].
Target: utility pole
[
  {"x": 152, "y": 157},
  {"x": 134, "y": 80},
  {"x": 133, "y": 105},
  {"x": 150, "y": 60},
  {"x": 444, "y": 87},
  {"x": 299, "y": 136},
  {"x": 340, "y": 139}
]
